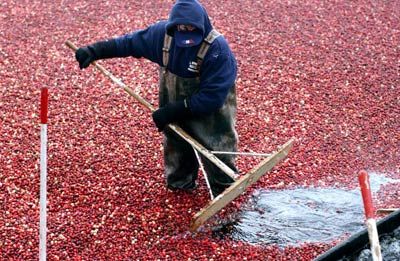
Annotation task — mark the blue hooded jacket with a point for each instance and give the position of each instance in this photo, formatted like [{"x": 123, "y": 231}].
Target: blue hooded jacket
[{"x": 218, "y": 70}]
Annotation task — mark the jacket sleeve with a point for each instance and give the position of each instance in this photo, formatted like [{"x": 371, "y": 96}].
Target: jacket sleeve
[
  {"x": 218, "y": 75},
  {"x": 145, "y": 43}
]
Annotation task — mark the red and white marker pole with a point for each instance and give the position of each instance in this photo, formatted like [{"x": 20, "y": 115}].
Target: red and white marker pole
[
  {"x": 43, "y": 173},
  {"x": 370, "y": 216}
]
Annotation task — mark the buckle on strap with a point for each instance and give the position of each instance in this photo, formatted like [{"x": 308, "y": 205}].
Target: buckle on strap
[{"x": 214, "y": 34}]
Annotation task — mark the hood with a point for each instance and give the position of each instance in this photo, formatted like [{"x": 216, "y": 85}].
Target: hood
[{"x": 189, "y": 12}]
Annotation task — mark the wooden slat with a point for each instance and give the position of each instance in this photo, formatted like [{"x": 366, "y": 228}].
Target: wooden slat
[
  {"x": 386, "y": 210},
  {"x": 239, "y": 186}
]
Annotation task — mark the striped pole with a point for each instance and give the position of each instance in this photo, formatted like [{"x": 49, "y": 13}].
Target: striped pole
[
  {"x": 43, "y": 173},
  {"x": 370, "y": 216}
]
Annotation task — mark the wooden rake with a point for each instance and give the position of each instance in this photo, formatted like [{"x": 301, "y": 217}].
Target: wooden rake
[{"x": 238, "y": 187}]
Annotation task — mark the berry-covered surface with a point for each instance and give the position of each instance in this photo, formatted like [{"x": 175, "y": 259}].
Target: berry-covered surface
[{"x": 324, "y": 72}]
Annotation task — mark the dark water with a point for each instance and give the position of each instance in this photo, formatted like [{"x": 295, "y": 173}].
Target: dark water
[
  {"x": 390, "y": 248},
  {"x": 303, "y": 215}
]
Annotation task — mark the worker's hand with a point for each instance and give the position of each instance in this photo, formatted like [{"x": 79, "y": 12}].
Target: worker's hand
[
  {"x": 85, "y": 56},
  {"x": 100, "y": 50},
  {"x": 172, "y": 112}
]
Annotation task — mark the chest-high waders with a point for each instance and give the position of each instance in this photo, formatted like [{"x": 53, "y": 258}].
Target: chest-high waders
[{"x": 216, "y": 132}]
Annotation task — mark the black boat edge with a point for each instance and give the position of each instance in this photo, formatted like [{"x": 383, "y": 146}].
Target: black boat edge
[{"x": 358, "y": 241}]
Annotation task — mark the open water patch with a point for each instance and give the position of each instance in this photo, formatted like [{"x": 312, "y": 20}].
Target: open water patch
[
  {"x": 302, "y": 215},
  {"x": 390, "y": 248}
]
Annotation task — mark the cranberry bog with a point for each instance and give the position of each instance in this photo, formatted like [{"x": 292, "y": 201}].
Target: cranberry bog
[{"x": 324, "y": 72}]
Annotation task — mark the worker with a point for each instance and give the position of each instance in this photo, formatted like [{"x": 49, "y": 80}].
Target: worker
[{"x": 197, "y": 89}]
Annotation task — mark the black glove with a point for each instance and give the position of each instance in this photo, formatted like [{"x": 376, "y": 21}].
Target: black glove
[
  {"x": 172, "y": 112},
  {"x": 100, "y": 50}
]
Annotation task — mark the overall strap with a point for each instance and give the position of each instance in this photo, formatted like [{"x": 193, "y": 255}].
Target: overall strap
[
  {"x": 166, "y": 47},
  {"x": 214, "y": 34}
]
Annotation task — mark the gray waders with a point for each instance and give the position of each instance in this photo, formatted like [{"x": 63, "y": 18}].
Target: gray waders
[{"x": 216, "y": 132}]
